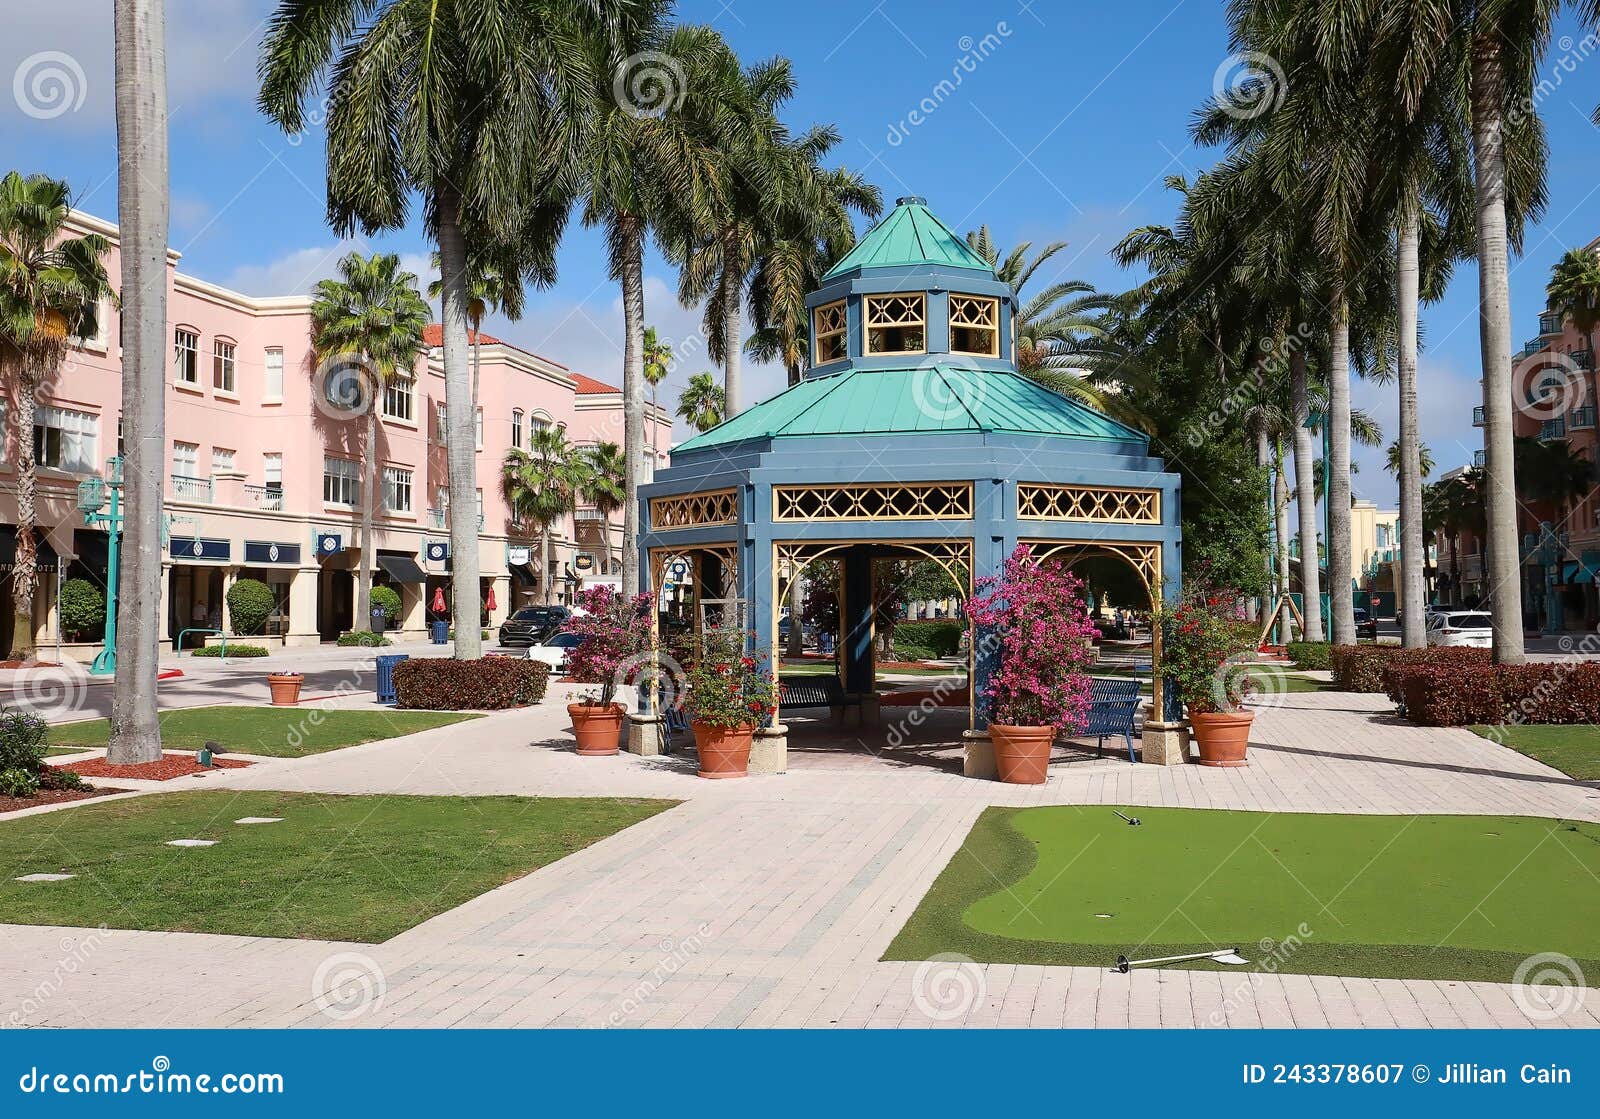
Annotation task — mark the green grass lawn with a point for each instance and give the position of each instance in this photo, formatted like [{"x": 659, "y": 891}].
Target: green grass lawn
[
  {"x": 1423, "y": 897},
  {"x": 278, "y": 732},
  {"x": 1574, "y": 750},
  {"x": 360, "y": 868}
]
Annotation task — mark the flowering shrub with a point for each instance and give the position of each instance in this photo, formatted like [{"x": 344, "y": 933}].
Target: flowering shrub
[
  {"x": 616, "y": 636},
  {"x": 1200, "y": 638},
  {"x": 1037, "y": 615},
  {"x": 725, "y": 686}
]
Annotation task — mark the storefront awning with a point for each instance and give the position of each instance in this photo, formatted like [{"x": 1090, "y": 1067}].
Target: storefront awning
[
  {"x": 524, "y": 574},
  {"x": 8, "y": 549},
  {"x": 402, "y": 568}
]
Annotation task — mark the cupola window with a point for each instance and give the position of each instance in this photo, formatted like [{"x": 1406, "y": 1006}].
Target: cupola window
[
  {"x": 974, "y": 325},
  {"x": 829, "y": 324},
  {"x": 896, "y": 324}
]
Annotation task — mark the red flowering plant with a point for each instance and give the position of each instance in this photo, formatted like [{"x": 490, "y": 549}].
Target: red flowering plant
[
  {"x": 1036, "y": 618},
  {"x": 1202, "y": 638},
  {"x": 615, "y": 632},
  {"x": 725, "y": 686}
]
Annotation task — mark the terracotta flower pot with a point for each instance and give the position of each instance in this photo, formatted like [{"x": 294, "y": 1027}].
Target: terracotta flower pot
[
  {"x": 597, "y": 727},
  {"x": 724, "y": 751},
  {"x": 1021, "y": 754},
  {"x": 1222, "y": 737},
  {"x": 285, "y": 688}
]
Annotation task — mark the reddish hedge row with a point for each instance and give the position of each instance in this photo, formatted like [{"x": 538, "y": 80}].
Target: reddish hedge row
[
  {"x": 442, "y": 684},
  {"x": 1365, "y": 668},
  {"x": 1460, "y": 695}
]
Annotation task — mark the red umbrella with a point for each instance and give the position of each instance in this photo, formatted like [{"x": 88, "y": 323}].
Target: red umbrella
[
  {"x": 488, "y": 603},
  {"x": 438, "y": 600}
]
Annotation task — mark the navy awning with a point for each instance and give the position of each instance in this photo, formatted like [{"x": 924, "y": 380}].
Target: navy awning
[
  {"x": 199, "y": 548},
  {"x": 402, "y": 568},
  {"x": 8, "y": 548},
  {"x": 261, "y": 551}
]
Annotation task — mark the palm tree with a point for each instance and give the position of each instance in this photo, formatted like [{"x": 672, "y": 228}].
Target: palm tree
[
  {"x": 605, "y": 486},
  {"x": 657, "y": 364},
  {"x": 1394, "y": 460},
  {"x": 373, "y": 317},
  {"x": 702, "y": 403},
  {"x": 1574, "y": 289},
  {"x": 51, "y": 289},
  {"x": 542, "y": 484},
  {"x": 475, "y": 107},
  {"x": 1553, "y": 473},
  {"x": 490, "y": 290}
]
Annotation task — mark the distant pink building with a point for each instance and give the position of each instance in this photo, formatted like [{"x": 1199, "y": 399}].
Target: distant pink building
[{"x": 264, "y": 469}]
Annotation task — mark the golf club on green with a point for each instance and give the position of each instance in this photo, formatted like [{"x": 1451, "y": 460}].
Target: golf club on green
[{"x": 1221, "y": 955}]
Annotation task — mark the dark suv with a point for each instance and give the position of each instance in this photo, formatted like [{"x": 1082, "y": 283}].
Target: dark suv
[{"x": 532, "y": 624}]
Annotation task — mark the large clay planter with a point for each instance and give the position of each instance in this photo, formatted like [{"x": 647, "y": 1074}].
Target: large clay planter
[
  {"x": 597, "y": 727},
  {"x": 285, "y": 688},
  {"x": 724, "y": 752},
  {"x": 1222, "y": 737},
  {"x": 1021, "y": 754}
]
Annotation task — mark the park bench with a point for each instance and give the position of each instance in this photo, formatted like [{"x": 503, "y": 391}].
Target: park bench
[
  {"x": 815, "y": 691},
  {"x": 1112, "y": 706}
]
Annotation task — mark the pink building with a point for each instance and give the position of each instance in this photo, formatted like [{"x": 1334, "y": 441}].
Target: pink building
[{"x": 264, "y": 469}]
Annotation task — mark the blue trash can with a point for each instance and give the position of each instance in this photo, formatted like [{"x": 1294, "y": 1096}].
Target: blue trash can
[
  {"x": 441, "y": 633},
  {"x": 386, "y": 665}
]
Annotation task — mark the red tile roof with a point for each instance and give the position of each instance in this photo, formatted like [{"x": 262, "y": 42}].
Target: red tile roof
[
  {"x": 588, "y": 386},
  {"x": 433, "y": 335}
]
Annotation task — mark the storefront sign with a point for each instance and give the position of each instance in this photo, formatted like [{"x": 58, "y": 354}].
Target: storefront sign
[
  {"x": 256, "y": 551},
  {"x": 583, "y": 562},
  {"x": 328, "y": 543},
  {"x": 437, "y": 551},
  {"x": 191, "y": 547},
  {"x": 516, "y": 557}
]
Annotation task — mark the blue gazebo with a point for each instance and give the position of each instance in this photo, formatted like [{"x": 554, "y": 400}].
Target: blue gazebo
[{"x": 911, "y": 435}]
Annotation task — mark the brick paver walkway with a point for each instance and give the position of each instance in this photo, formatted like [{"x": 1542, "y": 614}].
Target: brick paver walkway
[{"x": 767, "y": 902}]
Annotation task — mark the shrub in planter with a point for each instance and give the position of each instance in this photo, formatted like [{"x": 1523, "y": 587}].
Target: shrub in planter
[
  {"x": 250, "y": 604},
  {"x": 1201, "y": 638},
  {"x": 233, "y": 651},
  {"x": 23, "y": 771},
  {"x": 363, "y": 638},
  {"x": 1310, "y": 654},
  {"x": 83, "y": 608},
  {"x": 727, "y": 694},
  {"x": 942, "y": 638},
  {"x": 387, "y": 599},
  {"x": 614, "y": 651},
  {"x": 1040, "y": 683},
  {"x": 490, "y": 684}
]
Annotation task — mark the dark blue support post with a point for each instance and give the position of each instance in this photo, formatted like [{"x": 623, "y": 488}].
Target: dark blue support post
[{"x": 855, "y": 612}]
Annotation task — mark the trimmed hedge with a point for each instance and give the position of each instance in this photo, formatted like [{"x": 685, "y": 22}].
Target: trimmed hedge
[
  {"x": 233, "y": 651},
  {"x": 1362, "y": 668},
  {"x": 489, "y": 684},
  {"x": 1310, "y": 654},
  {"x": 387, "y": 599},
  {"x": 1565, "y": 693},
  {"x": 939, "y": 638},
  {"x": 250, "y": 604},
  {"x": 361, "y": 638}
]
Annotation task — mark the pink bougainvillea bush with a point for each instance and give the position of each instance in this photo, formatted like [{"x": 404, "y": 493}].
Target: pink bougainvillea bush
[
  {"x": 1037, "y": 622},
  {"x": 616, "y": 640}
]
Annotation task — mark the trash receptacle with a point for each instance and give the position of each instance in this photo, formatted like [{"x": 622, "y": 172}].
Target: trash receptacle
[
  {"x": 441, "y": 633},
  {"x": 378, "y": 619},
  {"x": 386, "y": 665}
]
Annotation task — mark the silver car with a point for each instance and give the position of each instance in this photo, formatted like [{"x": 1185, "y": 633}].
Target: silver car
[{"x": 1460, "y": 628}]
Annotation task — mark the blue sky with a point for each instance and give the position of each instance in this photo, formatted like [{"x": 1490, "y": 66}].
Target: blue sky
[{"x": 1065, "y": 120}]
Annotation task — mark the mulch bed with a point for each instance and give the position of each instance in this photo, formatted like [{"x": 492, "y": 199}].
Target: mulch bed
[
  {"x": 28, "y": 664},
  {"x": 170, "y": 766},
  {"x": 53, "y": 796}
]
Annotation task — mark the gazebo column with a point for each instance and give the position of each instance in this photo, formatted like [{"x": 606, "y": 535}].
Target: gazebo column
[
  {"x": 758, "y": 581},
  {"x": 1165, "y": 738},
  {"x": 855, "y": 613},
  {"x": 644, "y": 732},
  {"x": 988, "y": 557}
]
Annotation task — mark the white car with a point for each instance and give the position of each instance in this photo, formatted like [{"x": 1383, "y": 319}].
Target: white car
[
  {"x": 1457, "y": 628},
  {"x": 553, "y": 651}
]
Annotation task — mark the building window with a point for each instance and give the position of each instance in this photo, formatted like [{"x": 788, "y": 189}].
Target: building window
[
  {"x": 399, "y": 396},
  {"x": 396, "y": 489},
  {"x": 272, "y": 382},
  {"x": 272, "y": 470},
  {"x": 222, "y": 366},
  {"x": 186, "y": 356},
  {"x": 221, "y": 460},
  {"x": 829, "y": 324},
  {"x": 185, "y": 460},
  {"x": 341, "y": 481},
  {"x": 896, "y": 324},
  {"x": 516, "y": 428},
  {"x": 974, "y": 325},
  {"x": 443, "y": 433},
  {"x": 66, "y": 440}
]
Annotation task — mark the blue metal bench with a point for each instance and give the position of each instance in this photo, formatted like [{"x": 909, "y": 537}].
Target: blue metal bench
[
  {"x": 673, "y": 719},
  {"x": 1113, "y": 703},
  {"x": 386, "y": 664},
  {"x": 815, "y": 691}
]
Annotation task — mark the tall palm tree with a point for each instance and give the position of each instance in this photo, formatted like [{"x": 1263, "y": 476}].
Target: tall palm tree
[
  {"x": 1394, "y": 460},
  {"x": 373, "y": 316},
  {"x": 605, "y": 486},
  {"x": 478, "y": 108},
  {"x": 702, "y": 403},
  {"x": 490, "y": 290},
  {"x": 542, "y": 485},
  {"x": 51, "y": 289},
  {"x": 1574, "y": 289},
  {"x": 144, "y": 206},
  {"x": 657, "y": 364}
]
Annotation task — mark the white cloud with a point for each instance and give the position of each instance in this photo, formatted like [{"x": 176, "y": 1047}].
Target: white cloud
[{"x": 294, "y": 273}]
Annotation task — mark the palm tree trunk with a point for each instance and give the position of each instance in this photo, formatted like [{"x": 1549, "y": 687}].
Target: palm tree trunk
[
  {"x": 1306, "y": 500},
  {"x": 1264, "y": 460},
  {"x": 461, "y": 451},
  {"x": 796, "y": 645},
  {"x": 143, "y": 209},
  {"x": 1413, "y": 555},
  {"x": 545, "y": 580},
  {"x": 1280, "y": 519},
  {"x": 732, "y": 371},
  {"x": 25, "y": 571},
  {"x": 369, "y": 502},
  {"x": 632, "y": 398},
  {"x": 1494, "y": 332},
  {"x": 1341, "y": 561},
  {"x": 655, "y": 430}
]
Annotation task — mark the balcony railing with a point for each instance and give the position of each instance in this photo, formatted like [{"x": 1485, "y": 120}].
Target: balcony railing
[
  {"x": 1477, "y": 416},
  {"x": 186, "y": 487},
  {"x": 265, "y": 497},
  {"x": 1550, "y": 322},
  {"x": 1553, "y": 429},
  {"x": 1583, "y": 359},
  {"x": 1532, "y": 346},
  {"x": 1479, "y": 459},
  {"x": 441, "y": 518},
  {"x": 587, "y": 513},
  {"x": 1582, "y": 417}
]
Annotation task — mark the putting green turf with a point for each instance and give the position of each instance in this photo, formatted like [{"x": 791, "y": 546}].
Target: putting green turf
[{"x": 1425, "y": 897}]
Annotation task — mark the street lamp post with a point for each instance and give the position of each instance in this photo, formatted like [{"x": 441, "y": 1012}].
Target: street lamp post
[{"x": 93, "y": 496}]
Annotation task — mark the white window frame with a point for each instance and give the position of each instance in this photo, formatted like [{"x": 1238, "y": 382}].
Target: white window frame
[
  {"x": 225, "y": 366},
  {"x": 399, "y": 398},
  {"x": 516, "y": 428},
  {"x": 397, "y": 484},
  {"x": 341, "y": 482},
  {"x": 185, "y": 459},
  {"x": 444, "y": 425},
  {"x": 66, "y": 439},
  {"x": 186, "y": 357},
  {"x": 222, "y": 460},
  {"x": 272, "y": 470},
  {"x": 272, "y": 376}
]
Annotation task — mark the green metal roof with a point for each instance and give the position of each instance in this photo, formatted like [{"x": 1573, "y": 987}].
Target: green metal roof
[
  {"x": 929, "y": 399},
  {"x": 910, "y": 235}
]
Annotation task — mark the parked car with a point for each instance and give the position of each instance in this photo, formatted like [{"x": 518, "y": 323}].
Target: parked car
[
  {"x": 1460, "y": 628},
  {"x": 1366, "y": 625},
  {"x": 553, "y": 650},
  {"x": 532, "y": 624}
]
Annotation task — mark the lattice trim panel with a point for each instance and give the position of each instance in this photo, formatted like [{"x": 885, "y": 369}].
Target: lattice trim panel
[
  {"x": 975, "y": 325},
  {"x": 727, "y": 553},
  {"x": 1105, "y": 504},
  {"x": 791, "y": 558},
  {"x": 1145, "y": 558},
  {"x": 695, "y": 510},
  {"x": 874, "y": 501},
  {"x": 830, "y": 330}
]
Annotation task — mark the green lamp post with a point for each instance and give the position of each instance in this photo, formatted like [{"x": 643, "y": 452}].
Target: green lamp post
[{"x": 94, "y": 494}]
